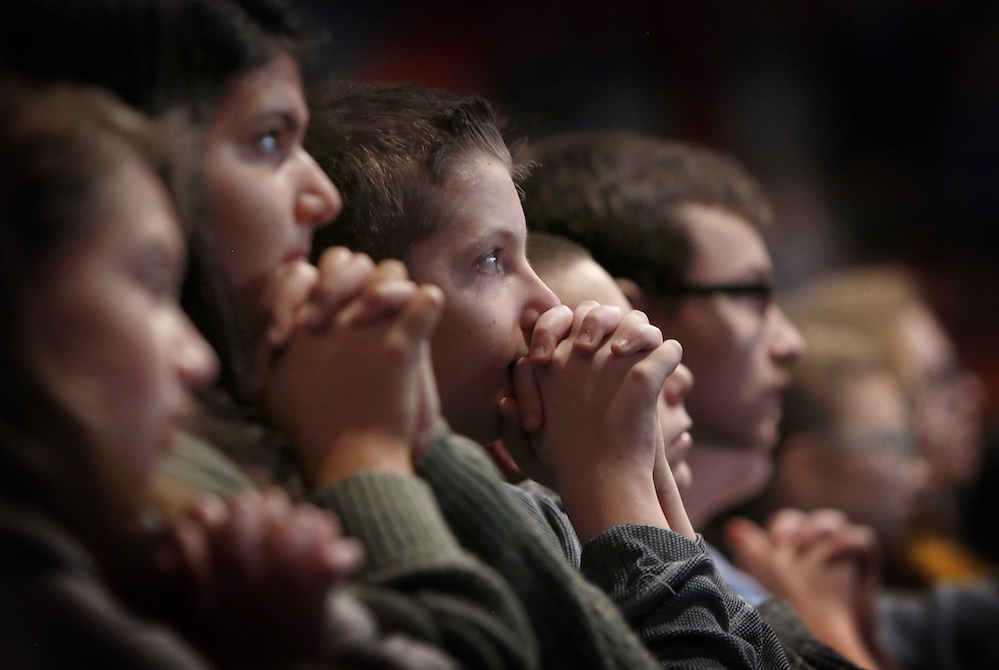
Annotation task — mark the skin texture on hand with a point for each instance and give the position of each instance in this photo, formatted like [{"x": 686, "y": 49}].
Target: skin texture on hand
[
  {"x": 350, "y": 377},
  {"x": 825, "y": 567},
  {"x": 600, "y": 439},
  {"x": 258, "y": 571}
]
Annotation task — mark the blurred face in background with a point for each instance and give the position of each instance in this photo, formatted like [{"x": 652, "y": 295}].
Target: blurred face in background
[
  {"x": 107, "y": 334},
  {"x": 739, "y": 346},
  {"x": 587, "y": 280},
  {"x": 867, "y": 463},
  {"x": 947, "y": 399}
]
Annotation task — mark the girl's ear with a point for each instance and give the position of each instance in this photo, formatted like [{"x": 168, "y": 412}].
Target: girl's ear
[{"x": 632, "y": 293}]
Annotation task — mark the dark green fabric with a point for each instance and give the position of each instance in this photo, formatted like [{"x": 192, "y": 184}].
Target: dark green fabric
[{"x": 427, "y": 585}]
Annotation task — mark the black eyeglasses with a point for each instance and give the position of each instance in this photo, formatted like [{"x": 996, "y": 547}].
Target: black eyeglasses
[{"x": 761, "y": 293}]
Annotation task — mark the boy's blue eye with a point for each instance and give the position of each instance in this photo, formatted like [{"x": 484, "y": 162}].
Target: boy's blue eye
[{"x": 491, "y": 262}]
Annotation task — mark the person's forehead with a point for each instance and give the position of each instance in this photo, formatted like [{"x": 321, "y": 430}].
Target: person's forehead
[
  {"x": 133, "y": 205},
  {"x": 872, "y": 398},
  {"x": 479, "y": 201},
  {"x": 924, "y": 345},
  {"x": 586, "y": 280},
  {"x": 275, "y": 87},
  {"x": 726, "y": 247}
]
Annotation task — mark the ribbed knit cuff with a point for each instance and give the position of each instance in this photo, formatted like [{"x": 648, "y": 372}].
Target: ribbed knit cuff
[{"x": 395, "y": 516}]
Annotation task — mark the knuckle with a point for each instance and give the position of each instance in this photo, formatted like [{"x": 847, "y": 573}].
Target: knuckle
[
  {"x": 391, "y": 266},
  {"x": 638, "y": 315},
  {"x": 654, "y": 334},
  {"x": 644, "y": 375}
]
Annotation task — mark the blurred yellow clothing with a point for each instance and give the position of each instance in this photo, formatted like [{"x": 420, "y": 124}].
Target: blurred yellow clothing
[{"x": 938, "y": 558}]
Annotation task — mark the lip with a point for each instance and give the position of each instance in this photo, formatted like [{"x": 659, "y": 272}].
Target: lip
[{"x": 682, "y": 442}]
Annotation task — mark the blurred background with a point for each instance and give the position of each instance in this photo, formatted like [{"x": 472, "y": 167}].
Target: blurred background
[{"x": 874, "y": 124}]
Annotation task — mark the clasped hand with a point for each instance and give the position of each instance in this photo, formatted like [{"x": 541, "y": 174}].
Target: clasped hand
[{"x": 348, "y": 371}]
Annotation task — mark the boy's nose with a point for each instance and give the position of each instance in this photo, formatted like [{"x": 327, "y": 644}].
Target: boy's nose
[
  {"x": 539, "y": 300},
  {"x": 318, "y": 200}
]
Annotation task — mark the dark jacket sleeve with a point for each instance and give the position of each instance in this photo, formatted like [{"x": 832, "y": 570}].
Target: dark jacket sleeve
[
  {"x": 56, "y": 612},
  {"x": 954, "y": 627},
  {"x": 662, "y": 584},
  {"x": 804, "y": 651},
  {"x": 669, "y": 591},
  {"x": 575, "y": 621}
]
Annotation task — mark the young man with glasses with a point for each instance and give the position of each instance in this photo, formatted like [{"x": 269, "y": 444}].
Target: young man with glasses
[{"x": 680, "y": 227}]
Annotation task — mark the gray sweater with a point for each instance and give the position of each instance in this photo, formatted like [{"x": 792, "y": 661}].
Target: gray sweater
[{"x": 637, "y": 567}]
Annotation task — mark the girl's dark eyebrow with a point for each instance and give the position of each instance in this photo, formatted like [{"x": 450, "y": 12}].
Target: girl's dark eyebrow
[{"x": 288, "y": 119}]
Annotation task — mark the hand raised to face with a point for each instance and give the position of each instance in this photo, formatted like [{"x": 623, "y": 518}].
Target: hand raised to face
[
  {"x": 349, "y": 375},
  {"x": 600, "y": 437}
]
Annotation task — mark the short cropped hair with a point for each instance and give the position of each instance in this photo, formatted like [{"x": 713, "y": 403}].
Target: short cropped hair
[
  {"x": 386, "y": 147},
  {"x": 621, "y": 195},
  {"x": 550, "y": 254}
]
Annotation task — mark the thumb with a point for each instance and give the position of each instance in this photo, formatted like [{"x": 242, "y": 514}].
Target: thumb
[{"x": 285, "y": 296}]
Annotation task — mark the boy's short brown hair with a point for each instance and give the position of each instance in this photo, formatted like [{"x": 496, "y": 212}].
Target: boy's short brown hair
[
  {"x": 386, "y": 147},
  {"x": 621, "y": 195}
]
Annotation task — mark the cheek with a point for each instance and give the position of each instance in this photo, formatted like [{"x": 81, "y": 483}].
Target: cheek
[
  {"x": 141, "y": 397},
  {"x": 249, "y": 225},
  {"x": 114, "y": 377}
]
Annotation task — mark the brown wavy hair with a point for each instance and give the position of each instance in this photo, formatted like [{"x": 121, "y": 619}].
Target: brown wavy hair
[{"x": 56, "y": 144}]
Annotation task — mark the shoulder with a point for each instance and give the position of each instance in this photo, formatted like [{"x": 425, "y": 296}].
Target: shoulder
[{"x": 55, "y": 611}]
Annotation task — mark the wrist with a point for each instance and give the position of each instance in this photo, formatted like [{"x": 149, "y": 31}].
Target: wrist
[
  {"x": 361, "y": 451},
  {"x": 609, "y": 498}
]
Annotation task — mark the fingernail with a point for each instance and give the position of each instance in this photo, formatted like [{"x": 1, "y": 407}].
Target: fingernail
[
  {"x": 586, "y": 337},
  {"x": 538, "y": 351},
  {"x": 623, "y": 343}
]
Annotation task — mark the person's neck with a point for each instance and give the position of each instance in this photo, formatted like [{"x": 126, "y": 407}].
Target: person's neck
[{"x": 723, "y": 477}]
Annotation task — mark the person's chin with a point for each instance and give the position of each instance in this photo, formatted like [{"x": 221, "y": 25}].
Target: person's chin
[
  {"x": 767, "y": 438},
  {"x": 683, "y": 476}
]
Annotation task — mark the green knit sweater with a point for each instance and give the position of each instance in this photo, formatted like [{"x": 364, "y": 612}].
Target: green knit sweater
[{"x": 453, "y": 558}]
